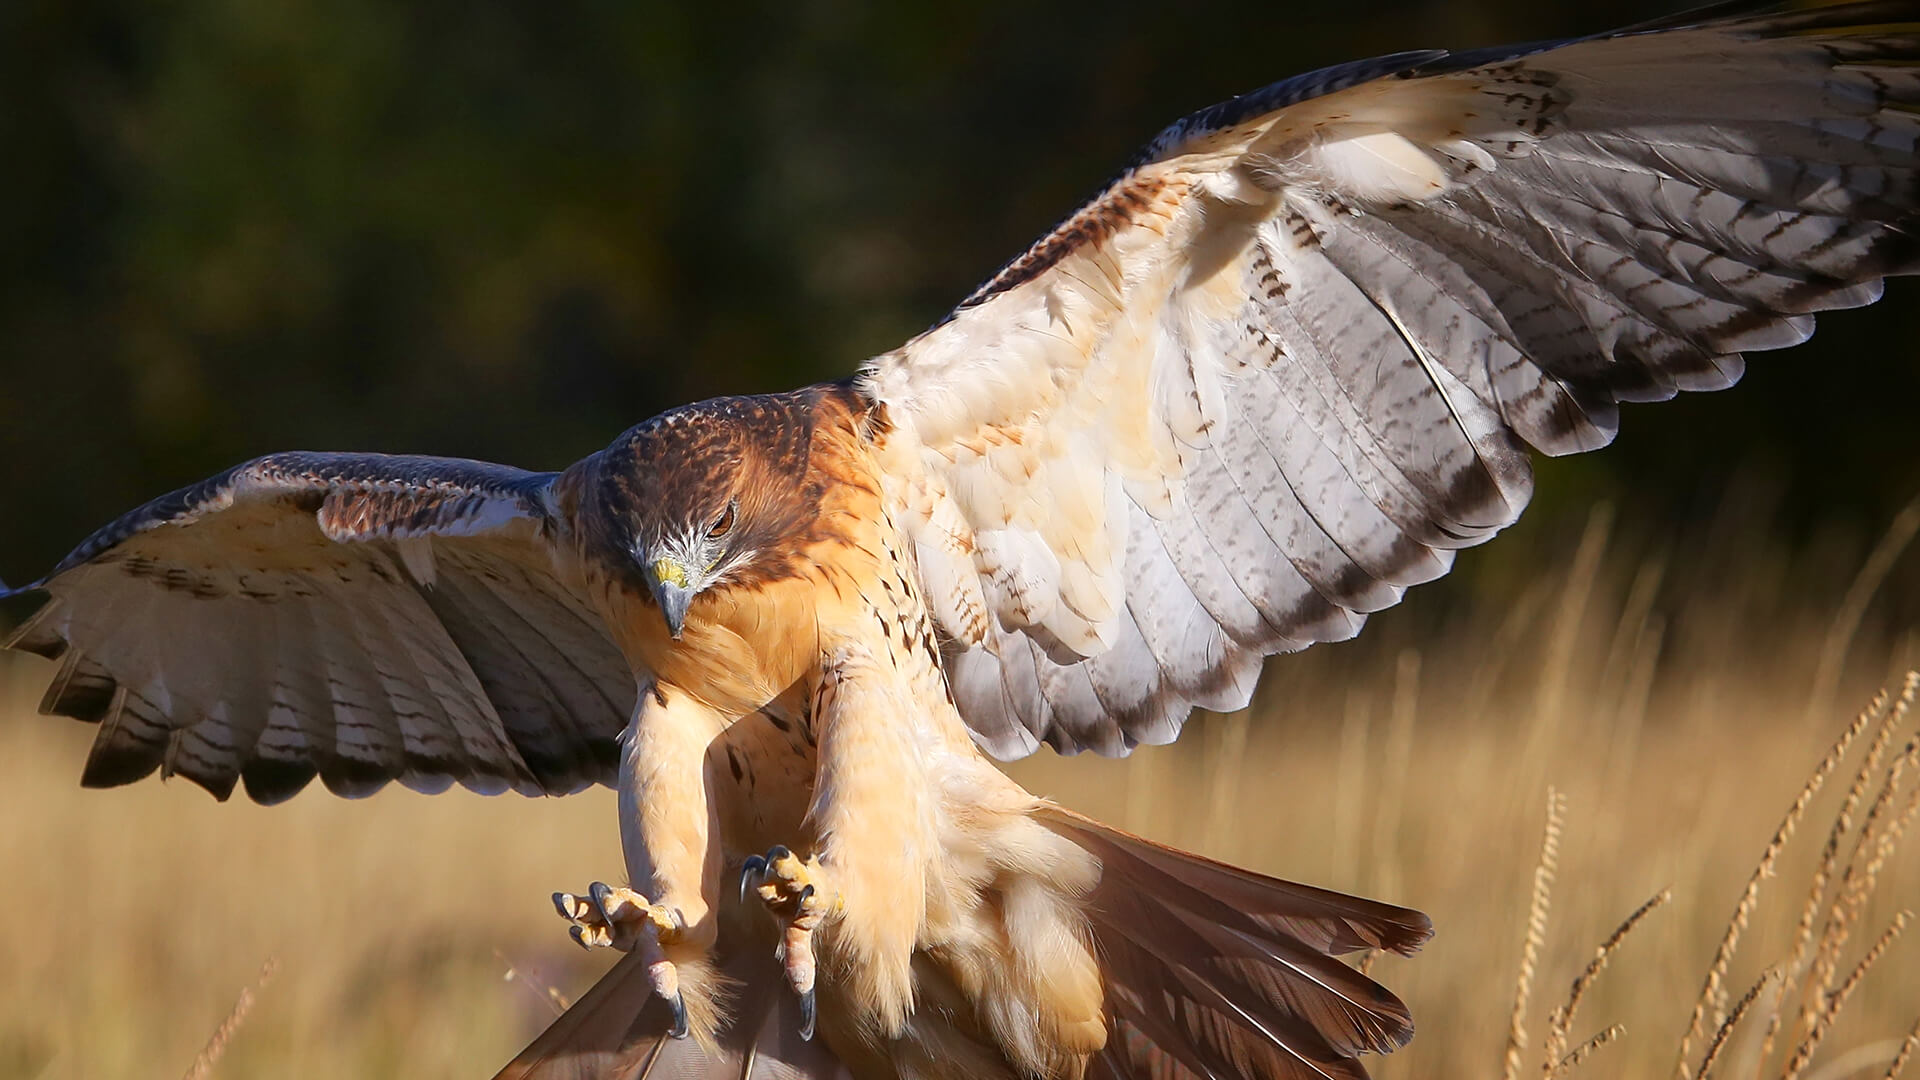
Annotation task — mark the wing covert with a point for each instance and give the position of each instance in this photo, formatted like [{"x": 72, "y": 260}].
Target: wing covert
[
  {"x": 1301, "y": 351},
  {"x": 362, "y": 618}
]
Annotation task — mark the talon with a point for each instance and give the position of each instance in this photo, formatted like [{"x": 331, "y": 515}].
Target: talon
[
  {"x": 749, "y": 870},
  {"x": 800, "y": 894},
  {"x": 618, "y": 917},
  {"x": 626, "y": 920},
  {"x": 678, "y": 1004},
  {"x": 600, "y": 892}
]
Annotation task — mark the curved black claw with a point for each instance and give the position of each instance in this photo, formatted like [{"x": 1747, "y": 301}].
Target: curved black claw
[
  {"x": 560, "y": 905},
  {"x": 749, "y": 871},
  {"x": 598, "y": 892},
  {"x": 679, "y": 1006},
  {"x": 806, "y": 1015}
]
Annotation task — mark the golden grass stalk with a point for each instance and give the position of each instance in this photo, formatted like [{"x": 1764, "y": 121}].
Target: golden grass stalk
[
  {"x": 1727, "y": 1026},
  {"x": 1560, "y": 1024},
  {"x": 211, "y": 1053},
  {"x": 1555, "y": 1061},
  {"x": 1585, "y": 1050},
  {"x": 1710, "y": 989},
  {"x": 1830, "y": 853},
  {"x": 1536, "y": 935},
  {"x": 1873, "y": 844},
  {"x": 1845, "y": 901},
  {"x": 1817, "y": 1032},
  {"x": 1872, "y": 847},
  {"x": 1905, "y": 1053}
]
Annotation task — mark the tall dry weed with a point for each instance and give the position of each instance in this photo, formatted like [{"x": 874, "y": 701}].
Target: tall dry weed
[
  {"x": 216, "y": 1048},
  {"x": 1836, "y": 903}
]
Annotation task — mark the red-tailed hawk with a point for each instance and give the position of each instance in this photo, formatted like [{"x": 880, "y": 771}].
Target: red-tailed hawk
[{"x": 1286, "y": 365}]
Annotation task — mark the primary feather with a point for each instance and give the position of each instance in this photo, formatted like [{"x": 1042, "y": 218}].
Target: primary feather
[
  {"x": 1298, "y": 354},
  {"x": 272, "y": 624}
]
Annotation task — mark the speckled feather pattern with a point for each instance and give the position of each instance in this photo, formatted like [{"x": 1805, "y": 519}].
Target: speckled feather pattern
[
  {"x": 365, "y": 674},
  {"x": 1300, "y": 351}
]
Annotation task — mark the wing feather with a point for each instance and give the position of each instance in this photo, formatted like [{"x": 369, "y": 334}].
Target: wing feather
[
  {"x": 359, "y": 618},
  {"x": 1301, "y": 351}
]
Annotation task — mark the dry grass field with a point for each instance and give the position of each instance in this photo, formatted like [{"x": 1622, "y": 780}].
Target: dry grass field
[{"x": 1678, "y": 700}]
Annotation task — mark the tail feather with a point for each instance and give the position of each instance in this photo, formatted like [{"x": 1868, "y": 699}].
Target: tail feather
[
  {"x": 1275, "y": 987},
  {"x": 1186, "y": 1018},
  {"x": 1327, "y": 921},
  {"x": 619, "y": 1029},
  {"x": 1213, "y": 970},
  {"x": 1210, "y": 972},
  {"x": 613, "y": 1030}
]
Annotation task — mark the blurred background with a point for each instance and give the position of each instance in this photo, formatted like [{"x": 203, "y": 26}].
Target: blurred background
[{"x": 508, "y": 231}]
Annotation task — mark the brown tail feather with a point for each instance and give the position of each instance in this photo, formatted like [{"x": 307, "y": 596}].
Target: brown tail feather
[
  {"x": 1213, "y": 970},
  {"x": 1329, "y": 921},
  {"x": 619, "y": 1029}
]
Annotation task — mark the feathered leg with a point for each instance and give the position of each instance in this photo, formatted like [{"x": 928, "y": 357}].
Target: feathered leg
[
  {"x": 669, "y": 829},
  {"x": 863, "y": 882}
]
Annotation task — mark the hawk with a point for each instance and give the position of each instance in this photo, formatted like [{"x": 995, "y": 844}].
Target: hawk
[{"x": 1288, "y": 363}]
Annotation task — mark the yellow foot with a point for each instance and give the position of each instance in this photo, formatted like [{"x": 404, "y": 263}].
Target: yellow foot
[
  {"x": 625, "y": 920},
  {"x": 800, "y": 896}
]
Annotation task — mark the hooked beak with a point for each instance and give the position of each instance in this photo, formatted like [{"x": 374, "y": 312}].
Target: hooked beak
[{"x": 671, "y": 590}]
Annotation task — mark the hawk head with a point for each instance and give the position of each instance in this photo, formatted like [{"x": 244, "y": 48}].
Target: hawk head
[
  {"x": 683, "y": 558},
  {"x": 708, "y": 495}
]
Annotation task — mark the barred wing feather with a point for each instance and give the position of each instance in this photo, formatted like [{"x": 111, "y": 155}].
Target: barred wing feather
[
  {"x": 1300, "y": 352},
  {"x": 362, "y": 618}
]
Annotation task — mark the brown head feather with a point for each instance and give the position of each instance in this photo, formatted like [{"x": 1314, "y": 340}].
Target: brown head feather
[{"x": 681, "y": 471}]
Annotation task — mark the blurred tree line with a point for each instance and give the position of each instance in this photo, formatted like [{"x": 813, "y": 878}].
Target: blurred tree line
[{"x": 508, "y": 230}]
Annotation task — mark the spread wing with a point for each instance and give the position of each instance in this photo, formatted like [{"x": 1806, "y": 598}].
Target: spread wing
[
  {"x": 1297, "y": 355},
  {"x": 362, "y": 618}
]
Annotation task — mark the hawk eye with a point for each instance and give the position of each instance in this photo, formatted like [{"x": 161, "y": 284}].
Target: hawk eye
[{"x": 723, "y": 525}]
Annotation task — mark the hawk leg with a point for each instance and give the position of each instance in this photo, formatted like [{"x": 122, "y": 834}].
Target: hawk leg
[
  {"x": 799, "y": 894},
  {"x": 625, "y": 920},
  {"x": 668, "y": 831}
]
